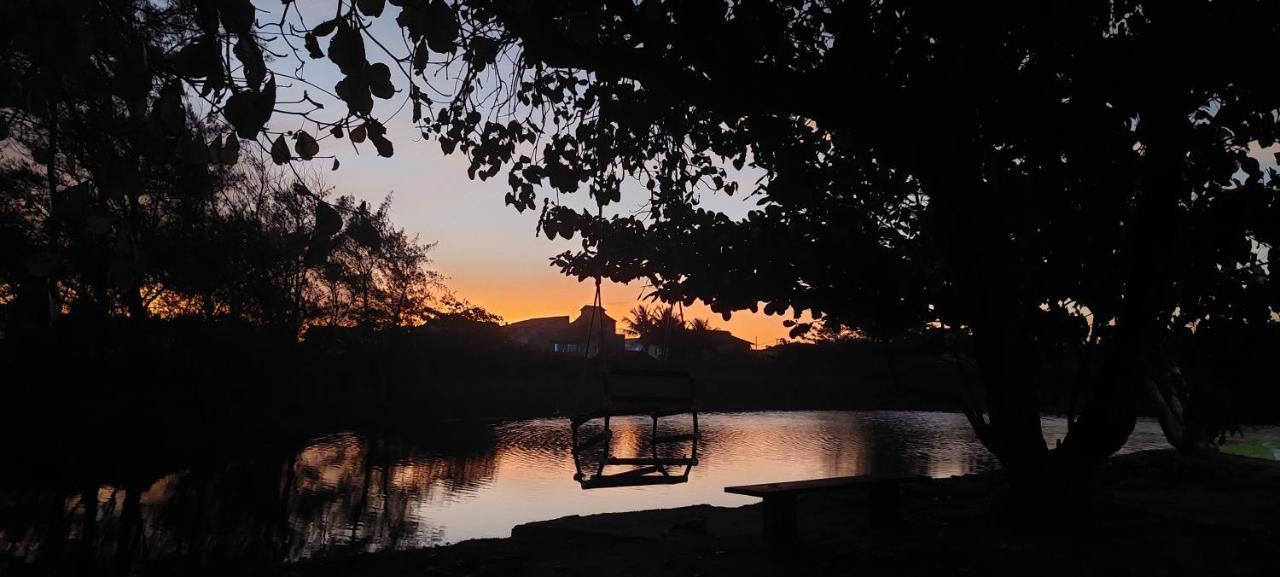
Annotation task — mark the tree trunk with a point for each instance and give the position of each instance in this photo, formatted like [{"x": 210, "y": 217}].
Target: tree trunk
[
  {"x": 1005, "y": 366},
  {"x": 1111, "y": 413},
  {"x": 130, "y": 528},
  {"x": 974, "y": 244},
  {"x": 133, "y": 301},
  {"x": 89, "y": 530},
  {"x": 1169, "y": 395}
]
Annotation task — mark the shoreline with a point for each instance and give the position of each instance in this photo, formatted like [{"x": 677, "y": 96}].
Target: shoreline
[
  {"x": 483, "y": 420},
  {"x": 972, "y": 499},
  {"x": 1158, "y": 512}
]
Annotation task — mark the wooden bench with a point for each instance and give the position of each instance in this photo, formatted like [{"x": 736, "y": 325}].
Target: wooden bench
[{"x": 779, "y": 507}]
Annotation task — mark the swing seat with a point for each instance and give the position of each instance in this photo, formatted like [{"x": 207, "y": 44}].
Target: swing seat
[{"x": 656, "y": 393}]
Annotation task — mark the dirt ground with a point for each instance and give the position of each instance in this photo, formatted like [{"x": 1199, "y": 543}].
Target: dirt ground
[{"x": 1158, "y": 513}]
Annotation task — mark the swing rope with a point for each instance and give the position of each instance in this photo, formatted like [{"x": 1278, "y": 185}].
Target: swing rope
[{"x": 597, "y": 305}]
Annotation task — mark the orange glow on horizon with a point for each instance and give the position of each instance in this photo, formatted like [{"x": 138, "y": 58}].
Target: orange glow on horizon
[
  {"x": 490, "y": 252},
  {"x": 550, "y": 294}
]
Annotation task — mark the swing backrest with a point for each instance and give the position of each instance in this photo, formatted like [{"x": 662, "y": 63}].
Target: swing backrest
[{"x": 649, "y": 386}]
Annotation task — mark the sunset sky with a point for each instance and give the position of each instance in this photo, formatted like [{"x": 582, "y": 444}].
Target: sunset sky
[{"x": 487, "y": 249}]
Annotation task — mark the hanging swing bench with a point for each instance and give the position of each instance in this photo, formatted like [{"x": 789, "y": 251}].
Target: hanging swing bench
[{"x": 662, "y": 395}]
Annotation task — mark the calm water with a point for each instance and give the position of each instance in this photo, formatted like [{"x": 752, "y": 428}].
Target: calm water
[{"x": 350, "y": 492}]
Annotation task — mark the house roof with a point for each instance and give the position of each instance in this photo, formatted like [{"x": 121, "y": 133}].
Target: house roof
[
  {"x": 540, "y": 322},
  {"x": 726, "y": 337},
  {"x": 562, "y": 323},
  {"x": 585, "y": 312}
]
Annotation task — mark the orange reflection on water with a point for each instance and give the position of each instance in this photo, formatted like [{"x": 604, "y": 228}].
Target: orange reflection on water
[{"x": 353, "y": 492}]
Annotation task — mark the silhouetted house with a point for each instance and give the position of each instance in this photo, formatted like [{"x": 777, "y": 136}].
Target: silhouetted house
[
  {"x": 644, "y": 345},
  {"x": 539, "y": 333},
  {"x": 723, "y": 342},
  {"x": 593, "y": 329},
  {"x": 702, "y": 343}
]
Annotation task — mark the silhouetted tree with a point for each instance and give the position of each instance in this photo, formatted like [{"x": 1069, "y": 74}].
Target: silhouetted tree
[
  {"x": 452, "y": 311},
  {"x": 377, "y": 276},
  {"x": 89, "y": 101},
  {"x": 241, "y": 254},
  {"x": 650, "y": 321},
  {"x": 1052, "y": 179},
  {"x": 661, "y": 326},
  {"x": 1047, "y": 177},
  {"x": 119, "y": 200}
]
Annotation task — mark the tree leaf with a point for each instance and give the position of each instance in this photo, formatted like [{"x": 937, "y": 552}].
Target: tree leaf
[
  {"x": 328, "y": 221},
  {"x": 279, "y": 150},
  {"x": 482, "y": 51},
  {"x": 376, "y": 135},
  {"x": 249, "y": 111},
  {"x": 347, "y": 49},
  {"x": 229, "y": 154},
  {"x": 363, "y": 231},
  {"x": 442, "y": 27},
  {"x": 250, "y": 55},
  {"x": 383, "y": 145},
  {"x": 197, "y": 60},
  {"x": 420, "y": 56},
  {"x": 355, "y": 92},
  {"x": 313, "y": 45},
  {"x": 305, "y": 145},
  {"x": 325, "y": 28},
  {"x": 371, "y": 7},
  {"x": 380, "y": 81},
  {"x": 317, "y": 252},
  {"x": 358, "y": 134},
  {"x": 237, "y": 16}
]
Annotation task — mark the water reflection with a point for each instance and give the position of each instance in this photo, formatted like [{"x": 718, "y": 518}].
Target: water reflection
[
  {"x": 632, "y": 452},
  {"x": 353, "y": 492}
]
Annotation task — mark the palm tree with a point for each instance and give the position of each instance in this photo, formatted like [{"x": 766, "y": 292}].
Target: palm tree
[
  {"x": 641, "y": 322},
  {"x": 658, "y": 325}
]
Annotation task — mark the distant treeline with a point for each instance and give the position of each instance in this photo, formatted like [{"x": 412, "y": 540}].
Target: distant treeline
[{"x": 176, "y": 390}]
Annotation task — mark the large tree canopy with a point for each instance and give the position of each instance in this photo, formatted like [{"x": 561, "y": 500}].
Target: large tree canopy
[{"x": 1044, "y": 176}]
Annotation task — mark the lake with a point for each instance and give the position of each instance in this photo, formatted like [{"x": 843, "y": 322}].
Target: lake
[{"x": 354, "y": 492}]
